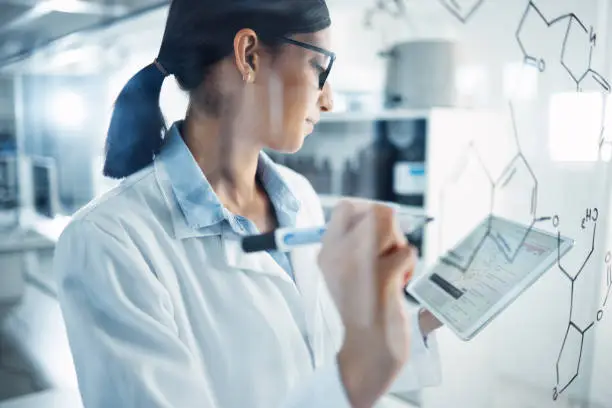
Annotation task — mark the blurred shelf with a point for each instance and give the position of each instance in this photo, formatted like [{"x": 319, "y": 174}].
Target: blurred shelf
[
  {"x": 330, "y": 201},
  {"x": 64, "y": 398},
  {"x": 23, "y": 240},
  {"x": 50, "y": 228},
  {"x": 366, "y": 116}
]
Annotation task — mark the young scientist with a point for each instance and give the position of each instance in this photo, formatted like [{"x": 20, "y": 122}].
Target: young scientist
[{"x": 163, "y": 308}]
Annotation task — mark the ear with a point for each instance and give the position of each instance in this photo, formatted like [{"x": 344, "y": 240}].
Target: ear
[{"x": 246, "y": 56}]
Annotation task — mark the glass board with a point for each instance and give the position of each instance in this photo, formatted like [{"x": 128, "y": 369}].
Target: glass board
[{"x": 533, "y": 145}]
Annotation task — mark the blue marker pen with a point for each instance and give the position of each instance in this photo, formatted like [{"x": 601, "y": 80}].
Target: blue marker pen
[{"x": 286, "y": 239}]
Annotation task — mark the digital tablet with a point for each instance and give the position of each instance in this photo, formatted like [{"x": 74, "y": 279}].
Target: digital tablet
[{"x": 485, "y": 272}]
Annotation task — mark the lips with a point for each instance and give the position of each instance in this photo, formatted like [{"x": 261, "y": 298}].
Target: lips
[{"x": 310, "y": 126}]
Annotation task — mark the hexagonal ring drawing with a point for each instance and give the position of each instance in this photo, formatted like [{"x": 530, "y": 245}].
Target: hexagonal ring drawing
[
  {"x": 588, "y": 38},
  {"x": 462, "y": 9},
  {"x": 572, "y": 334},
  {"x": 575, "y": 27},
  {"x": 504, "y": 183},
  {"x": 462, "y": 262},
  {"x": 478, "y": 181},
  {"x": 591, "y": 216}
]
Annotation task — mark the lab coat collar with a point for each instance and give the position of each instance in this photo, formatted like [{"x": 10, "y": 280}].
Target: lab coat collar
[
  {"x": 308, "y": 281},
  {"x": 196, "y": 209},
  {"x": 196, "y": 212},
  {"x": 260, "y": 262},
  {"x": 192, "y": 191},
  {"x": 277, "y": 188},
  {"x": 230, "y": 242}
]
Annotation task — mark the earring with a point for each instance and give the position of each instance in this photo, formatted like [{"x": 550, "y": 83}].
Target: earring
[{"x": 247, "y": 78}]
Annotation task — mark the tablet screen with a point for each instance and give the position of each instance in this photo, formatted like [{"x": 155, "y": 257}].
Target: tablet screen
[{"x": 482, "y": 270}]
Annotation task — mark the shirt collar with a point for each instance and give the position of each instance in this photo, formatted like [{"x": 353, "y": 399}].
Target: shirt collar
[{"x": 195, "y": 197}]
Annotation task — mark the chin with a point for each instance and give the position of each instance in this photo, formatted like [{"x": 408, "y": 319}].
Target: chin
[
  {"x": 288, "y": 144},
  {"x": 294, "y": 148}
]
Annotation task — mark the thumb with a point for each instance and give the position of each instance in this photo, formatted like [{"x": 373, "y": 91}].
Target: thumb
[
  {"x": 399, "y": 264},
  {"x": 409, "y": 273}
]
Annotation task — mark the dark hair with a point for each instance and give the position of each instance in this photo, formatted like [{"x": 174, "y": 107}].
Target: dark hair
[{"x": 198, "y": 34}]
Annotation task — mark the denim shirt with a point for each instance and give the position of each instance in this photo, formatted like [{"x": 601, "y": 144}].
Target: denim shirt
[{"x": 201, "y": 206}]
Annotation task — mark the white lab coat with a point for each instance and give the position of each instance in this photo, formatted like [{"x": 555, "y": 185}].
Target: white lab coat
[{"x": 160, "y": 316}]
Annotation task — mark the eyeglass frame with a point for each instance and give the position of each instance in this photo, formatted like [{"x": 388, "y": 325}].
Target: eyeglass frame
[{"x": 332, "y": 57}]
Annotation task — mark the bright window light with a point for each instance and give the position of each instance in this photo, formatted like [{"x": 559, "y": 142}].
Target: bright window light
[
  {"x": 64, "y": 6},
  {"x": 520, "y": 81},
  {"x": 605, "y": 151},
  {"x": 67, "y": 110},
  {"x": 471, "y": 82},
  {"x": 173, "y": 102},
  {"x": 575, "y": 120},
  {"x": 83, "y": 57},
  {"x": 81, "y": 7}
]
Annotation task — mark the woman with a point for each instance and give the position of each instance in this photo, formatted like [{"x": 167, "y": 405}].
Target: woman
[{"x": 162, "y": 307}]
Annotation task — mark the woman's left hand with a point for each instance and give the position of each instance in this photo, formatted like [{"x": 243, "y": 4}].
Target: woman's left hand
[{"x": 428, "y": 322}]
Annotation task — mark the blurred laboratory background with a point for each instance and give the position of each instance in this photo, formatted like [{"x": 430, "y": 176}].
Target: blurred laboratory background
[{"x": 451, "y": 108}]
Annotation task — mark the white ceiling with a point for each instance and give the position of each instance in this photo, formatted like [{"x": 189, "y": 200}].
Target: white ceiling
[{"x": 29, "y": 24}]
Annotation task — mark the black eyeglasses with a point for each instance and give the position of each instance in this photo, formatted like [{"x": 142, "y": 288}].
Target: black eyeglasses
[{"x": 328, "y": 63}]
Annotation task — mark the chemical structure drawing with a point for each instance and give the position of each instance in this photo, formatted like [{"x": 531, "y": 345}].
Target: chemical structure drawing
[
  {"x": 509, "y": 187},
  {"x": 570, "y": 355},
  {"x": 506, "y": 191},
  {"x": 470, "y": 180},
  {"x": 577, "y": 37},
  {"x": 393, "y": 8},
  {"x": 605, "y": 146},
  {"x": 463, "y": 10},
  {"x": 608, "y": 260},
  {"x": 605, "y": 137},
  {"x": 591, "y": 216}
]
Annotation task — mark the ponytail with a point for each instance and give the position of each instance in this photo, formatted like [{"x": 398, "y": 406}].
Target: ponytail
[
  {"x": 137, "y": 125},
  {"x": 198, "y": 34}
]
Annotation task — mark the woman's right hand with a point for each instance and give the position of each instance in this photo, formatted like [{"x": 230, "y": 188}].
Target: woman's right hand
[{"x": 365, "y": 259}]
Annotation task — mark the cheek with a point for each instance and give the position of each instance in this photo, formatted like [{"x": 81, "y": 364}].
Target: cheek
[
  {"x": 275, "y": 106},
  {"x": 296, "y": 105},
  {"x": 290, "y": 98},
  {"x": 300, "y": 101}
]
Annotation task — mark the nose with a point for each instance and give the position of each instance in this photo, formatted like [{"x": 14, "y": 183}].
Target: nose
[{"x": 326, "y": 100}]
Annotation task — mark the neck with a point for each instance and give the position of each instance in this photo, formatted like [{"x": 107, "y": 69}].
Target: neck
[{"x": 227, "y": 159}]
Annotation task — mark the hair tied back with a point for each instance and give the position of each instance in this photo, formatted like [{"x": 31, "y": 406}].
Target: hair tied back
[
  {"x": 137, "y": 125},
  {"x": 160, "y": 67}
]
